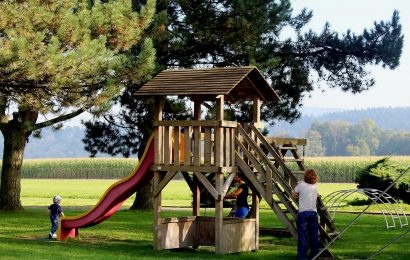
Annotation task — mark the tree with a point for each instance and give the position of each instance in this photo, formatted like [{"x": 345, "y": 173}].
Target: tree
[
  {"x": 314, "y": 146},
  {"x": 59, "y": 59},
  {"x": 238, "y": 32}
]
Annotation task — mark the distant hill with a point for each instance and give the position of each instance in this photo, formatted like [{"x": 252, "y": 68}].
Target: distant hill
[
  {"x": 386, "y": 118},
  {"x": 66, "y": 143}
]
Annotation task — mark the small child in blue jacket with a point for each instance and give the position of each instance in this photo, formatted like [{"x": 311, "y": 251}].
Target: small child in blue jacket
[{"x": 55, "y": 211}]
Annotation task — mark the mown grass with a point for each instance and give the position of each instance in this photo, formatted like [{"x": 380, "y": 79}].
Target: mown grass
[
  {"x": 129, "y": 234},
  {"x": 38, "y": 192}
]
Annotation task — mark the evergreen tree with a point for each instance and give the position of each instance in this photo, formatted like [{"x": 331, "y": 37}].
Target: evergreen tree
[
  {"x": 59, "y": 59},
  {"x": 240, "y": 32}
]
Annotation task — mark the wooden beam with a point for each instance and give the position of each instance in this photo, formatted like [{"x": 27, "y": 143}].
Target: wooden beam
[
  {"x": 192, "y": 168},
  {"x": 207, "y": 185},
  {"x": 250, "y": 175},
  {"x": 228, "y": 183},
  {"x": 168, "y": 177},
  {"x": 157, "y": 214},
  {"x": 202, "y": 123},
  {"x": 256, "y": 109},
  {"x": 189, "y": 181},
  {"x": 219, "y": 215}
]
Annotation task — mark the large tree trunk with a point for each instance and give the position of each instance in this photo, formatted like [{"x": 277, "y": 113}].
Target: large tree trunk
[
  {"x": 14, "y": 144},
  {"x": 143, "y": 199}
]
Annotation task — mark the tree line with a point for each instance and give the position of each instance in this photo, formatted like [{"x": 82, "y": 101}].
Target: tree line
[{"x": 339, "y": 138}]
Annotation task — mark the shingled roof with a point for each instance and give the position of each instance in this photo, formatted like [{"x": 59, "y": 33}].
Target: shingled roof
[{"x": 237, "y": 83}]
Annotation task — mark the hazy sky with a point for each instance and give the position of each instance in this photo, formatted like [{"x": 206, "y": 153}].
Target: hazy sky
[{"x": 392, "y": 88}]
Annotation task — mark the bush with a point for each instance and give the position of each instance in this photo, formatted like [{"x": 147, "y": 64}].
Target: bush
[{"x": 381, "y": 174}]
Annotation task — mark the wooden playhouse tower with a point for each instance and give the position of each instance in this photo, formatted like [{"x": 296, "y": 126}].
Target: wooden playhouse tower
[{"x": 205, "y": 150}]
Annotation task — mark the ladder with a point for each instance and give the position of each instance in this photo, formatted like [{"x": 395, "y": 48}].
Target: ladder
[{"x": 269, "y": 174}]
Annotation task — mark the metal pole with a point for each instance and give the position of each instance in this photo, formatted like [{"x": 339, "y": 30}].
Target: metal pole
[
  {"x": 388, "y": 244},
  {"x": 361, "y": 213}
]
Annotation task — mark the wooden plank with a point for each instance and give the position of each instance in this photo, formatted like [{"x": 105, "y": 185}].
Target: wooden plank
[
  {"x": 167, "y": 178},
  {"x": 227, "y": 147},
  {"x": 196, "y": 196},
  {"x": 187, "y": 145},
  {"x": 202, "y": 123},
  {"x": 233, "y": 136},
  {"x": 219, "y": 238},
  {"x": 177, "y": 140},
  {"x": 159, "y": 105},
  {"x": 210, "y": 188},
  {"x": 228, "y": 183},
  {"x": 189, "y": 181},
  {"x": 192, "y": 168},
  {"x": 167, "y": 145},
  {"x": 255, "y": 215},
  {"x": 158, "y": 235},
  {"x": 286, "y": 141},
  {"x": 250, "y": 175},
  {"x": 207, "y": 146},
  {"x": 197, "y": 146}
]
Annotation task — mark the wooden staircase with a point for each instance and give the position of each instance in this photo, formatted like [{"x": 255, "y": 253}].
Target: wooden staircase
[{"x": 267, "y": 168}]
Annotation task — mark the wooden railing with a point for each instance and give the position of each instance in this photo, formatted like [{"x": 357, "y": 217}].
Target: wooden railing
[{"x": 195, "y": 143}]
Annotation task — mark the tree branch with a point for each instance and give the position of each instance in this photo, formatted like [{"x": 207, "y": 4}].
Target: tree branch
[{"x": 58, "y": 119}]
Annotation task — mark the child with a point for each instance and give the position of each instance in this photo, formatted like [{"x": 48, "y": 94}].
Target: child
[
  {"x": 307, "y": 221},
  {"x": 55, "y": 211}
]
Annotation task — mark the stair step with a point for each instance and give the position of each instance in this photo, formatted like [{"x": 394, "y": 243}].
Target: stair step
[{"x": 298, "y": 172}]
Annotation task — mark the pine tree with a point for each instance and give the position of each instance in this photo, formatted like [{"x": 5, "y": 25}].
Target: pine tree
[
  {"x": 240, "y": 32},
  {"x": 59, "y": 59}
]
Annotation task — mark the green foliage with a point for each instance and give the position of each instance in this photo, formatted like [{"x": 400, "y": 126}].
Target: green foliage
[
  {"x": 381, "y": 174},
  {"x": 361, "y": 139},
  {"x": 57, "y": 54},
  {"x": 59, "y": 59}
]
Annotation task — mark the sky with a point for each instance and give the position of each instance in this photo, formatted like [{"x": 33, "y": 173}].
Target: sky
[{"x": 392, "y": 88}]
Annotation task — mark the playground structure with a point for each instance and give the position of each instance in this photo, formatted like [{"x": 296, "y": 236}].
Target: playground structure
[
  {"x": 209, "y": 153},
  {"x": 386, "y": 204}
]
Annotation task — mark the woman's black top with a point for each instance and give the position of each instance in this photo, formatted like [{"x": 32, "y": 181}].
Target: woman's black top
[{"x": 242, "y": 199}]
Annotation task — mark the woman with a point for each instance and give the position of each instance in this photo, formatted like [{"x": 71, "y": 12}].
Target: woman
[
  {"x": 307, "y": 222},
  {"x": 241, "y": 196}
]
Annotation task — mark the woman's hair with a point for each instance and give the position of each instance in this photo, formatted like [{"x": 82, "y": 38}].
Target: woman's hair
[{"x": 310, "y": 176}]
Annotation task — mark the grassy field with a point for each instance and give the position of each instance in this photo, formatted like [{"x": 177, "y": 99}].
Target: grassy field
[{"x": 129, "y": 235}]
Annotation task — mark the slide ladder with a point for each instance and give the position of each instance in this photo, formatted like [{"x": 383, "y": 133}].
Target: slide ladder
[{"x": 268, "y": 172}]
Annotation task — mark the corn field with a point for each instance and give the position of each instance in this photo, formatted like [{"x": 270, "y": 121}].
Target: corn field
[
  {"x": 87, "y": 168},
  {"x": 330, "y": 169},
  {"x": 344, "y": 169}
]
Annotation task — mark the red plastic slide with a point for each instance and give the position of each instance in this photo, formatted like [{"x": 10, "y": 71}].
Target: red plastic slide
[{"x": 112, "y": 199}]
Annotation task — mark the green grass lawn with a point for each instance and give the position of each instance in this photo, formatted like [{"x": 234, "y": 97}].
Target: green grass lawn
[{"x": 129, "y": 234}]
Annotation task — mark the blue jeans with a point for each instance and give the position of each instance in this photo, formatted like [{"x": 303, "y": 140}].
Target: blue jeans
[
  {"x": 54, "y": 225},
  {"x": 307, "y": 230},
  {"x": 241, "y": 212}
]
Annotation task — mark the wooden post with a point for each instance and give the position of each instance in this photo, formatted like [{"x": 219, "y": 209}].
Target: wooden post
[
  {"x": 159, "y": 151},
  {"x": 218, "y": 132},
  {"x": 159, "y": 104},
  {"x": 219, "y": 181},
  {"x": 157, "y": 213},
  {"x": 197, "y": 156},
  {"x": 255, "y": 215},
  {"x": 257, "y": 112}
]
